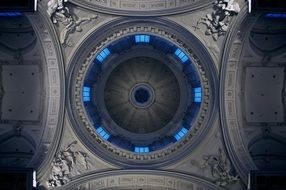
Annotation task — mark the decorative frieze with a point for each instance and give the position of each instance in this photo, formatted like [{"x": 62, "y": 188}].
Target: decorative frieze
[
  {"x": 68, "y": 23},
  {"x": 217, "y": 22},
  {"x": 140, "y": 179},
  {"x": 52, "y": 119},
  {"x": 231, "y": 89},
  {"x": 141, "y": 7},
  {"x": 67, "y": 163},
  {"x": 219, "y": 167}
]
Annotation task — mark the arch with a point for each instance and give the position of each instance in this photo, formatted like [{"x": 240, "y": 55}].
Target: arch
[
  {"x": 236, "y": 148},
  {"x": 146, "y": 8},
  {"x": 140, "y": 179},
  {"x": 54, "y": 90}
]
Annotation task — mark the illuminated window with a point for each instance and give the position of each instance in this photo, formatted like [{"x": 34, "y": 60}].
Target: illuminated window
[
  {"x": 102, "y": 133},
  {"x": 103, "y": 55},
  {"x": 139, "y": 149},
  {"x": 86, "y": 94},
  {"x": 275, "y": 15},
  {"x": 10, "y": 14},
  {"x": 181, "y": 133},
  {"x": 198, "y": 94},
  {"x": 181, "y": 55},
  {"x": 142, "y": 38}
]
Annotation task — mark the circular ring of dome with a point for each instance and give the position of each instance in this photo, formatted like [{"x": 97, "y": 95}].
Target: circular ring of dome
[
  {"x": 121, "y": 123},
  {"x": 142, "y": 95},
  {"x": 135, "y": 60},
  {"x": 189, "y": 128}
]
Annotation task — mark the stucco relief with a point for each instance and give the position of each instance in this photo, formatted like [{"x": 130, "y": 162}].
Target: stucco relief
[
  {"x": 140, "y": 179},
  {"x": 68, "y": 23},
  {"x": 189, "y": 21},
  {"x": 67, "y": 163},
  {"x": 139, "y": 7},
  {"x": 219, "y": 167},
  {"x": 217, "y": 22}
]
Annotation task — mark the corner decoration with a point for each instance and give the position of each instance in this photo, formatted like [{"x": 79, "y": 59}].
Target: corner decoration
[
  {"x": 219, "y": 167},
  {"x": 218, "y": 21},
  {"x": 67, "y": 163},
  {"x": 59, "y": 13}
]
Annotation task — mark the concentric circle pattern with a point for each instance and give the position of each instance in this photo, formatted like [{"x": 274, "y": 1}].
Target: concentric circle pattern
[
  {"x": 139, "y": 95},
  {"x": 142, "y": 95}
]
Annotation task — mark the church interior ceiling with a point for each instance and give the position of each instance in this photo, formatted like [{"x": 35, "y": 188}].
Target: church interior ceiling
[{"x": 142, "y": 94}]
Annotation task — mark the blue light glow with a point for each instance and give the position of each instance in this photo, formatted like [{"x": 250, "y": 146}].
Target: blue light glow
[
  {"x": 142, "y": 38},
  {"x": 10, "y": 14},
  {"x": 198, "y": 94},
  {"x": 86, "y": 89},
  {"x": 102, "y": 133},
  {"x": 86, "y": 94},
  {"x": 275, "y": 15},
  {"x": 181, "y": 55},
  {"x": 181, "y": 133},
  {"x": 139, "y": 149},
  {"x": 103, "y": 55}
]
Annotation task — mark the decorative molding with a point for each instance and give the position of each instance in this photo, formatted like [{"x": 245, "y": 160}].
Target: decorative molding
[
  {"x": 142, "y": 8},
  {"x": 66, "y": 164},
  {"x": 217, "y": 23},
  {"x": 126, "y": 179},
  {"x": 60, "y": 14},
  {"x": 213, "y": 48},
  {"x": 232, "y": 134},
  {"x": 220, "y": 168},
  {"x": 54, "y": 93},
  {"x": 54, "y": 6}
]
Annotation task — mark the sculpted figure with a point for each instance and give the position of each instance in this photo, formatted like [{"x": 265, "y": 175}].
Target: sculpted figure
[
  {"x": 66, "y": 164},
  {"x": 218, "y": 21},
  {"x": 59, "y": 13}
]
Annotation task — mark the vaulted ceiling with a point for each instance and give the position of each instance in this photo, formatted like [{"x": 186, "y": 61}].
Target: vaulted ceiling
[{"x": 131, "y": 94}]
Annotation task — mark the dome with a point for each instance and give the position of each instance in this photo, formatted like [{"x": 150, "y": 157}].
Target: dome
[{"x": 140, "y": 95}]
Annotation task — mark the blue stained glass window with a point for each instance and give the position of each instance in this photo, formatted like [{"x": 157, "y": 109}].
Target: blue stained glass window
[
  {"x": 180, "y": 134},
  {"x": 103, "y": 55},
  {"x": 181, "y": 55},
  {"x": 102, "y": 133},
  {"x": 198, "y": 94},
  {"x": 86, "y": 94},
  {"x": 86, "y": 89},
  {"x": 142, "y": 38},
  {"x": 86, "y": 99},
  {"x": 139, "y": 149}
]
